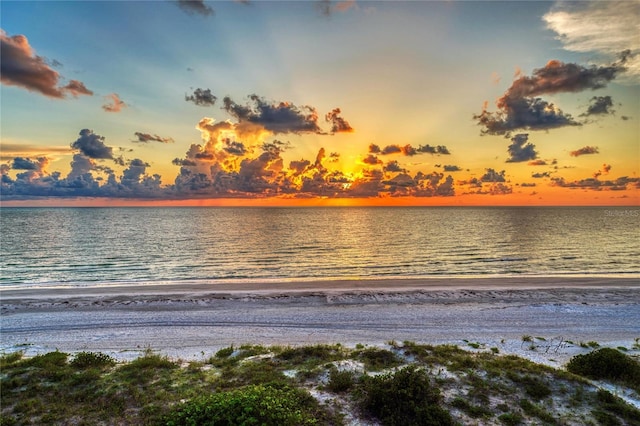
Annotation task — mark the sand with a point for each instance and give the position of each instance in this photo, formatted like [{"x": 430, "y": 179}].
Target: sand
[{"x": 193, "y": 320}]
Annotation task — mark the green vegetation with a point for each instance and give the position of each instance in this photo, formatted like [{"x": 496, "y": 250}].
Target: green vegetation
[
  {"x": 253, "y": 405},
  {"x": 607, "y": 364},
  {"x": 404, "y": 398},
  {"x": 401, "y": 384}
]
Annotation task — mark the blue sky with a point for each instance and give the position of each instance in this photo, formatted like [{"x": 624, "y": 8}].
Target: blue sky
[{"x": 401, "y": 73}]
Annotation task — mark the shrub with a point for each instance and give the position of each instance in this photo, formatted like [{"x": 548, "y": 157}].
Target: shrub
[
  {"x": 340, "y": 381},
  {"x": 608, "y": 364},
  {"x": 48, "y": 360},
  {"x": 253, "y": 405},
  {"x": 378, "y": 359},
  {"x": 92, "y": 360},
  {"x": 404, "y": 398},
  {"x": 511, "y": 419},
  {"x": 225, "y": 352}
]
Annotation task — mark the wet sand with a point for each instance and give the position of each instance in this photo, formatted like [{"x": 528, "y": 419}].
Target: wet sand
[{"x": 193, "y": 320}]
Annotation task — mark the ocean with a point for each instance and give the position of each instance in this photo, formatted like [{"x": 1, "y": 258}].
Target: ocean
[{"x": 79, "y": 247}]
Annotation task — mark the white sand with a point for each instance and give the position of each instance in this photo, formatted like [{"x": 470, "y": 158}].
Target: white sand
[{"x": 192, "y": 321}]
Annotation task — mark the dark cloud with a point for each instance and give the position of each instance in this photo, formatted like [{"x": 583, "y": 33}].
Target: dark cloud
[
  {"x": 183, "y": 162},
  {"x": 391, "y": 149},
  {"x": 195, "y": 7},
  {"x": 114, "y": 104},
  {"x": 521, "y": 109},
  {"x": 300, "y": 166},
  {"x": 282, "y": 117},
  {"x": 520, "y": 150},
  {"x": 493, "y": 176},
  {"x": 600, "y": 105},
  {"x": 146, "y": 138},
  {"x": 92, "y": 145},
  {"x": 584, "y": 151},
  {"x": 596, "y": 184},
  {"x": 20, "y": 66},
  {"x": 393, "y": 166},
  {"x": 234, "y": 148},
  {"x": 20, "y": 163},
  {"x": 338, "y": 124},
  {"x": 372, "y": 160},
  {"x": 201, "y": 97},
  {"x": 541, "y": 175},
  {"x": 625, "y": 118},
  {"x": 428, "y": 149},
  {"x": 374, "y": 149},
  {"x": 527, "y": 185},
  {"x": 451, "y": 168}
]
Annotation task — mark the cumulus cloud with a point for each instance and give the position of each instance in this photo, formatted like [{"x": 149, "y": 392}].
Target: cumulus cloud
[
  {"x": 620, "y": 184},
  {"x": 599, "y": 105},
  {"x": 372, "y": 160},
  {"x": 201, "y": 97},
  {"x": 20, "y": 66},
  {"x": 338, "y": 124},
  {"x": 492, "y": 175},
  {"x": 393, "y": 166},
  {"x": 114, "y": 104},
  {"x": 584, "y": 151},
  {"x": 92, "y": 145},
  {"x": 538, "y": 162},
  {"x": 409, "y": 150},
  {"x": 281, "y": 117},
  {"x": 451, "y": 168},
  {"x": 520, "y": 150},
  {"x": 195, "y": 7},
  {"x": 520, "y": 108},
  {"x": 605, "y": 28},
  {"x": 146, "y": 138},
  {"x": 541, "y": 175},
  {"x": 20, "y": 163}
]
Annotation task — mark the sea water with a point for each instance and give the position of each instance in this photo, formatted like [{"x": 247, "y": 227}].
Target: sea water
[{"x": 155, "y": 245}]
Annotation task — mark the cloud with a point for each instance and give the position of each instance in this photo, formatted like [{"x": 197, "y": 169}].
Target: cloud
[
  {"x": 92, "y": 145},
  {"x": 339, "y": 124},
  {"x": 20, "y": 163},
  {"x": 372, "y": 160},
  {"x": 409, "y": 150},
  {"x": 520, "y": 109},
  {"x": 195, "y": 7},
  {"x": 116, "y": 104},
  {"x": 541, "y": 175},
  {"x": 20, "y": 66},
  {"x": 600, "y": 105},
  {"x": 393, "y": 166},
  {"x": 281, "y": 117},
  {"x": 201, "y": 97},
  {"x": 451, "y": 168},
  {"x": 146, "y": 138},
  {"x": 584, "y": 151},
  {"x": 619, "y": 184},
  {"x": 493, "y": 176},
  {"x": 602, "y": 27},
  {"x": 520, "y": 150},
  {"x": 539, "y": 162}
]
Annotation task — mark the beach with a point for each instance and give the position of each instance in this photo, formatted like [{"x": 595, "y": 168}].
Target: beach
[{"x": 192, "y": 321}]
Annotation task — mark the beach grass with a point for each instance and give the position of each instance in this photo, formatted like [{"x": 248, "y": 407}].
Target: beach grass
[{"x": 400, "y": 383}]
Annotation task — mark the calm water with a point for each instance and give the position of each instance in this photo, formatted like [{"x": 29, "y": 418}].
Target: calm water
[{"x": 91, "y": 246}]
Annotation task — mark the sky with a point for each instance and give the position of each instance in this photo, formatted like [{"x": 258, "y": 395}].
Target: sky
[{"x": 305, "y": 103}]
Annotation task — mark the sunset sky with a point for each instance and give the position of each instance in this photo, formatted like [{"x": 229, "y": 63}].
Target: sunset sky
[{"x": 320, "y": 103}]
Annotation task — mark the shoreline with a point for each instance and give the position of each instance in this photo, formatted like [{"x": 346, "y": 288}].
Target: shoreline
[{"x": 188, "y": 322}]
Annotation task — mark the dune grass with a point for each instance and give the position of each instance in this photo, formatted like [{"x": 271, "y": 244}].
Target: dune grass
[{"x": 401, "y": 383}]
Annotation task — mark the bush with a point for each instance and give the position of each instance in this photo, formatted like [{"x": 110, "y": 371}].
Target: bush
[
  {"x": 225, "y": 352},
  {"x": 378, "y": 359},
  {"x": 340, "y": 381},
  {"x": 253, "y": 405},
  {"x": 92, "y": 360},
  {"x": 608, "y": 364},
  {"x": 404, "y": 398}
]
